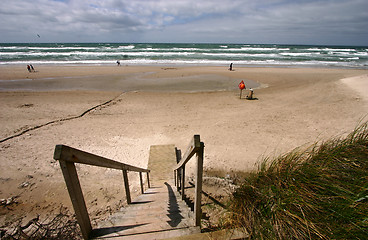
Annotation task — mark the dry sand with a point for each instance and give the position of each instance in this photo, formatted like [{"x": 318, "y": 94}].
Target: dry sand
[{"x": 156, "y": 105}]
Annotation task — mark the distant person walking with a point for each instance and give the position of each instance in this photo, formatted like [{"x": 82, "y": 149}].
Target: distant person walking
[
  {"x": 231, "y": 67},
  {"x": 32, "y": 67},
  {"x": 29, "y": 68},
  {"x": 118, "y": 62}
]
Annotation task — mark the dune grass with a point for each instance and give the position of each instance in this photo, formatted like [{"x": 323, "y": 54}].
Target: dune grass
[{"x": 318, "y": 193}]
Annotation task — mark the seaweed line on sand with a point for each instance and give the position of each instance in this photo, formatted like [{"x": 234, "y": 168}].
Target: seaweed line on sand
[{"x": 60, "y": 120}]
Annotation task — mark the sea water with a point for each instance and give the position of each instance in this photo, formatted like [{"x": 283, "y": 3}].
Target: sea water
[{"x": 184, "y": 54}]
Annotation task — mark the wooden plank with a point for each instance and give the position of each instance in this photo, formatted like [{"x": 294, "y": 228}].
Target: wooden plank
[
  {"x": 198, "y": 184},
  {"x": 193, "y": 146},
  {"x": 126, "y": 185},
  {"x": 70, "y": 154},
  {"x": 76, "y": 196}
]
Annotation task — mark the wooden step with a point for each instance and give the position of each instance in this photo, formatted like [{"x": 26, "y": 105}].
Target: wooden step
[
  {"x": 152, "y": 235},
  {"x": 225, "y": 234},
  {"x": 137, "y": 226},
  {"x": 159, "y": 212}
]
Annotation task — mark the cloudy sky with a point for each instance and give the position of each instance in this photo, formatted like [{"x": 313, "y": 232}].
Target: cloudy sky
[{"x": 331, "y": 22}]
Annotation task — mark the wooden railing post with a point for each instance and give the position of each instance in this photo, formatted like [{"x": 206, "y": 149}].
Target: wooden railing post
[
  {"x": 175, "y": 179},
  {"x": 126, "y": 184},
  {"x": 198, "y": 186},
  {"x": 141, "y": 180},
  {"x": 178, "y": 179},
  {"x": 182, "y": 184},
  {"x": 148, "y": 181},
  {"x": 76, "y": 195}
]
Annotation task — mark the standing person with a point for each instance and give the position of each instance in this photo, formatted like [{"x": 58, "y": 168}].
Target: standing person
[
  {"x": 231, "y": 67},
  {"x": 28, "y": 68},
  {"x": 118, "y": 62},
  {"x": 32, "y": 67}
]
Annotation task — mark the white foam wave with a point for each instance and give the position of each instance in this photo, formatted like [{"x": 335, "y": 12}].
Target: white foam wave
[
  {"x": 298, "y": 54},
  {"x": 127, "y": 47}
]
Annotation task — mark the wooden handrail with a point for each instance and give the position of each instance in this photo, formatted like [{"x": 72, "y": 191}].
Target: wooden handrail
[
  {"x": 195, "y": 147},
  {"x": 192, "y": 148},
  {"x": 67, "y": 157},
  {"x": 70, "y": 154}
]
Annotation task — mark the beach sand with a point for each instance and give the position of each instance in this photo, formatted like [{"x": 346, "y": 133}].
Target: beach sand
[{"x": 156, "y": 105}]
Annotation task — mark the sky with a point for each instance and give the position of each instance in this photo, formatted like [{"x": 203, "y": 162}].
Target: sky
[{"x": 310, "y": 22}]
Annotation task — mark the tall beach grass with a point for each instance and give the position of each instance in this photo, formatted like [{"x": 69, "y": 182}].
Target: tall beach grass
[{"x": 317, "y": 193}]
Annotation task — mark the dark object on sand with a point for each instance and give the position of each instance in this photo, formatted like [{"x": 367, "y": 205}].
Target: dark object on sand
[{"x": 250, "y": 96}]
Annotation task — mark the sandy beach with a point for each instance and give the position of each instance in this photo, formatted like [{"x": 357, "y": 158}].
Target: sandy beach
[{"x": 158, "y": 105}]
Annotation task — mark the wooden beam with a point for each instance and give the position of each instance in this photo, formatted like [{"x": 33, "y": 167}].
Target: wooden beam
[
  {"x": 126, "y": 184},
  {"x": 198, "y": 188},
  {"x": 70, "y": 154},
  {"x": 76, "y": 196}
]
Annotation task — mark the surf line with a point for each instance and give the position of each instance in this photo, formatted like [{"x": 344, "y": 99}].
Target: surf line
[{"x": 62, "y": 119}]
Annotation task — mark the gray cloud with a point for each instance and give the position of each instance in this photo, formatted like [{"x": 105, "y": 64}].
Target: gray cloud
[{"x": 262, "y": 21}]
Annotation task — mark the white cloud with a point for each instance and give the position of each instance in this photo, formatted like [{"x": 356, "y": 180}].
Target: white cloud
[{"x": 262, "y": 21}]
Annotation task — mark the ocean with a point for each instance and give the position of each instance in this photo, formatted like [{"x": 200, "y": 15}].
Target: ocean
[{"x": 184, "y": 54}]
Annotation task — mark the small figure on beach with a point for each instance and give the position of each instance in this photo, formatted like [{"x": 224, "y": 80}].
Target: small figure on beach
[
  {"x": 118, "y": 62},
  {"x": 231, "y": 67},
  {"x": 33, "y": 70},
  {"x": 29, "y": 68},
  {"x": 250, "y": 95}
]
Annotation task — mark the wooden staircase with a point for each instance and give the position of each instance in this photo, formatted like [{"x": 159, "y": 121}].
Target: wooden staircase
[{"x": 159, "y": 212}]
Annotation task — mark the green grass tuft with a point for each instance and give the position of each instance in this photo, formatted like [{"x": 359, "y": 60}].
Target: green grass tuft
[{"x": 317, "y": 193}]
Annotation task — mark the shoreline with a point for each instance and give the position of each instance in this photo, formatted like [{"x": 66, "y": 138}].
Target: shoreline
[
  {"x": 183, "y": 65},
  {"x": 157, "y": 74}
]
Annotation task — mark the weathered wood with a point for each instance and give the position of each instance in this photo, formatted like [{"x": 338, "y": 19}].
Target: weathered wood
[
  {"x": 176, "y": 174},
  {"x": 193, "y": 146},
  {"x": 183, "y": 182},
  {"x": 178, "y": 155},
  {"x": 70, "y": 154},
  {"x": 175, "y": 180},
  {"x": 141, "y": 181},
  {"x": 148, "y": 180},
  {"x": 178, "y": 177},
  {"x": 198, "y": 184},
  {"x": 126, "y": 184},
  {"x": 76, "y": 196}
]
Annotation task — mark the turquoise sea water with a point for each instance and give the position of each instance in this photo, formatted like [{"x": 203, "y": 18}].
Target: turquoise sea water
[{"x": 184, "y": 54}]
